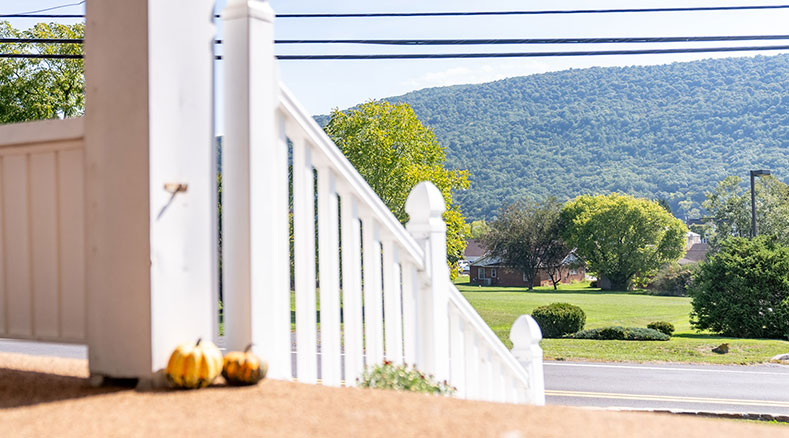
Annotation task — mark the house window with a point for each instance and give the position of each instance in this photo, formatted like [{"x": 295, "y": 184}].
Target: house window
[
  {"x": 481, "y": 273},
  {"x": 573, "y": 272},
  {"x": 524, "y": 277},
  {"x": 493, "y": 273}
]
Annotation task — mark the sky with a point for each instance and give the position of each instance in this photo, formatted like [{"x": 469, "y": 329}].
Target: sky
[{"x": 324, "y": 85}]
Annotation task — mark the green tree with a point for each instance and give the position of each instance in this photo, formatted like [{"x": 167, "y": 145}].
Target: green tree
[
  {"x": 743, "y": 289},
  {"x": 477, "y": 229},
  {"x": 34, "y": 89},
  {"x": 394, "y": 151},
  {"x": 526, "y": 236},
  {"x": 621, "y": 236},
  {"x": 729, "y": 207}
]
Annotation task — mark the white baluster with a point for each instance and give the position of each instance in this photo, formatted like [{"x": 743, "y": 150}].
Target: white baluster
[
  {"x": 473, "y": 362},
  {"x": 411, "y": 334},
  {"x": 328, "y": 265},
  {"x": 352, "y": 288},
  {"x": 393, "y": 313},
  {"x": 304, "y": 261},
  {"x": 457, "y": 334},
  {"x": 373, "y": 311},
  {"x": 425, "y": 206}
]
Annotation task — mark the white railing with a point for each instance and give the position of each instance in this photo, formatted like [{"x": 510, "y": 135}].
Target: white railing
[
  {"x": 42, "y": 263},
  {"x": 382, "y": 291}
]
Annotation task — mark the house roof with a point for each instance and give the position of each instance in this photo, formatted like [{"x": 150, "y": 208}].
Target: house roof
[
  {"x": 474, "y": 248},
  {"x": 495, "y": 261},
  {"x": 695, "y": 254}
]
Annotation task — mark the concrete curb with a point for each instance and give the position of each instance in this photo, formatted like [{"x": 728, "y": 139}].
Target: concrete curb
[{"x": 711, "y": 414}]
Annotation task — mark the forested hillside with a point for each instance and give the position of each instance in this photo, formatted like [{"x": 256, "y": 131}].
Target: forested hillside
[{"x": 670, "y": 131}]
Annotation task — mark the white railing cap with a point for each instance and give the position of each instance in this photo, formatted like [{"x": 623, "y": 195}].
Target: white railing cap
[
  {"x": 525, "y": 332},
  {"x": 424, "y": 203}
]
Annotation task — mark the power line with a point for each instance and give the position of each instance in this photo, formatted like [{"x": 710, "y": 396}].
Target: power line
[
  {"x": 530, "y": 54},
  {"x": 38, "y": 56},
  {"x": 42, "y": 40},
  {"x": 470, "y": 55},
  {"x": 495, "y": 41},
  {"x": 486, "y": 41},
  {"x": 468, "y": 13},
  {"x": 546, "y": 12},
  {"x": 28, "y": 13}
]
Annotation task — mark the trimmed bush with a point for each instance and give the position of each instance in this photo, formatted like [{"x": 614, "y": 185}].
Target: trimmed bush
[
  {"x": 621, "y": 334},
  {"x": 672, "y": 280},
  {"x": 743, "y": 289},
  {"x": 559, "y": 319},
  {"x": 662, "y": 326},
  {"x": 402, "y": 378}
]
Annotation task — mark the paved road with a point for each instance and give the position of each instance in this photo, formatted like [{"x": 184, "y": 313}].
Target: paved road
[{"x": 760, "y": 389}]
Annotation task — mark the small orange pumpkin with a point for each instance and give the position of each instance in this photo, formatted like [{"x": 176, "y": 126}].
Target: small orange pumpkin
[
  {"x": 194, "y": 365},
  {"x": 243, "y": 367}
]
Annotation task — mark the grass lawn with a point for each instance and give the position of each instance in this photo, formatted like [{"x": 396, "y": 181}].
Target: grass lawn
[{"x": 500, "y": 306}]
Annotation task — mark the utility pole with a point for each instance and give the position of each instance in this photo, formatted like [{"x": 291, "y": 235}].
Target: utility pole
[{"x": 754, "y": 174}]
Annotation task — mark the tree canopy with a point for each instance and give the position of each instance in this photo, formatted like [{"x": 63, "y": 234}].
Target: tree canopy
[
  {"x": 620, "y": 236},
  {"x": 526, "y": 236},
  {"x": 729, "y": 210},
  {"x": 394, "y": 152},
  {"x": 34, "y": 89}
]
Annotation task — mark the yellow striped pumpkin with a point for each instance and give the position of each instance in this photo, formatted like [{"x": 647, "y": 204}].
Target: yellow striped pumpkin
[
  {"x": 243, "y": 367},
  {"x": 194, "y": 365}
]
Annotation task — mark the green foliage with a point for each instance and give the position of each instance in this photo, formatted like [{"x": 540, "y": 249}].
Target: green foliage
[
  {"x": 478, "y": 229},
  {"x": 729, "y": 208},
  {"x": 402, "y": 378},
  {"x": 34, "y": 89},
  {"x": 621, "y": 334},
  {"x": 662, "y": 326},
  {"x": 672, "y": 280},
  {"x": 559, "y": 319},
  {"x": 621, "y": 236},
  {"x": 743, "y": 289},
  {"x": 526, "y": 236},
  {"x": 394, "y": 151},
  {"x": 665, "y": 131}
]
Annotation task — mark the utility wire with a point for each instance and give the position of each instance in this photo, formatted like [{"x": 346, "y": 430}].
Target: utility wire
[
  {"x": 41, "y": 40},
  {"x": 487, "y": 41},
  {"x": 478, "y": 13},
  {"x": 471, "y": 55},
  {"x": 495, "y": 41},
  {"x": 531, "y": 54},
  {"x": 547, "y": 12},
  {"x": 30, "y": 13}
]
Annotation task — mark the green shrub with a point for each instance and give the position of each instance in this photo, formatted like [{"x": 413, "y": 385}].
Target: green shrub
[
  {"x": 622, "y": 334},
  {"x": 558, "y": 319},
  {"x": 402, "y": 378},
  {"x": 743, "y": 289},
  {"x": 672, "y": 280},
  {"x": 662, "y": 326}
]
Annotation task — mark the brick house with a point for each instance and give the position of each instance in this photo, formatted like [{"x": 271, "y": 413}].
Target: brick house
[{"x": 489, "y": 271}]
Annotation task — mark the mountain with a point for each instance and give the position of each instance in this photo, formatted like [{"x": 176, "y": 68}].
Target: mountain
[{"x": 669, "y": 131}]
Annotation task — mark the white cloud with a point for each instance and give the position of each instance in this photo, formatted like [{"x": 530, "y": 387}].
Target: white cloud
[{"x": 476, "y": 75}]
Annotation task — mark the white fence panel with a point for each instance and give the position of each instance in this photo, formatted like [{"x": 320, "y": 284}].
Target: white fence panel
[{"x": 42, "y": 268}]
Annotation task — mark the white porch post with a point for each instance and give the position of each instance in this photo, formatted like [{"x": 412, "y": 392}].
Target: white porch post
[
  {"x": 150, "y": 272},
  {"x": 255, "y": 190},
  {"x": 425, "y": 206}
]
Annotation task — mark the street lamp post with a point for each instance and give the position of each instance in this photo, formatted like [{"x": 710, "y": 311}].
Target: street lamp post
[{"x": 754, "y": 174}]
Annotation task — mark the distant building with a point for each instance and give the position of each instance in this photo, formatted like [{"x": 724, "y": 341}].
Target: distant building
[
  {"x": 474, "y": 251},
  {"x": 695, "y": 254},
  {"x": 489, "y": 271}
]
